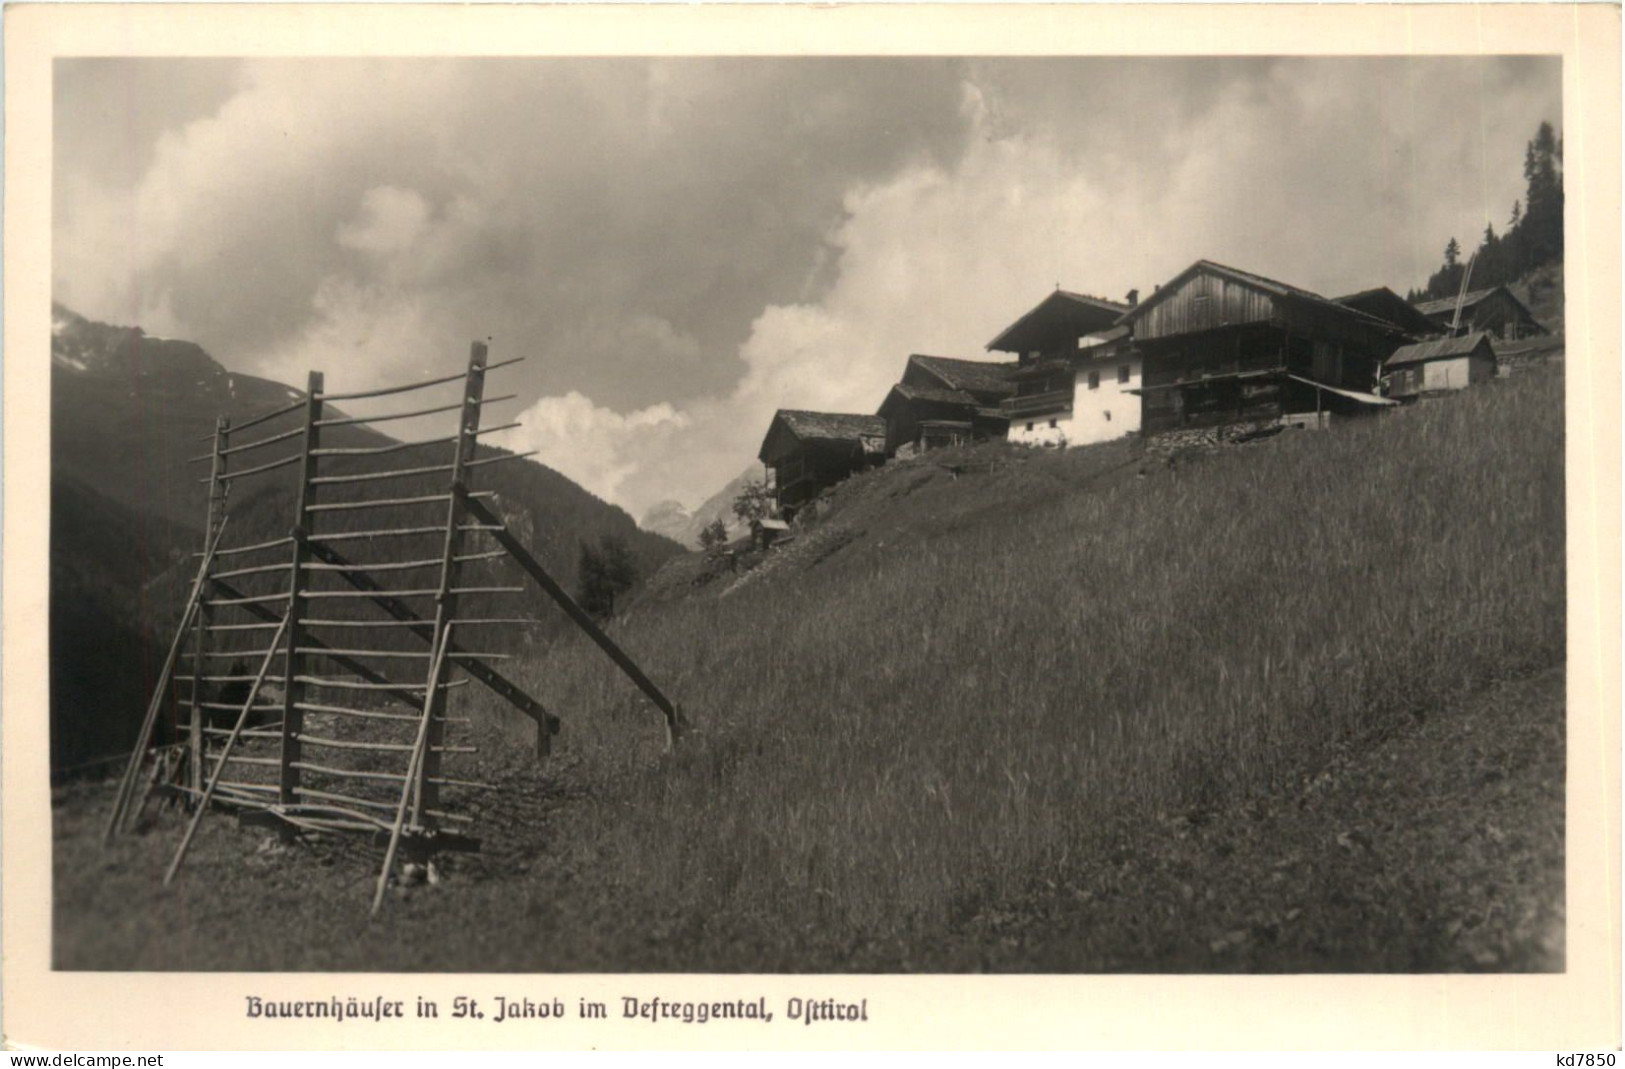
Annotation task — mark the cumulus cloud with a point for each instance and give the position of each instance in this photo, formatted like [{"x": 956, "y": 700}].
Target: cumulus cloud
[
  {"x": 682, "y": 246},
  {"x": 531, "y": 201},
  {"x": 392, "y": 220},
  {"x": 939, "y": 257},
  {"x": 594, "y": 446}
]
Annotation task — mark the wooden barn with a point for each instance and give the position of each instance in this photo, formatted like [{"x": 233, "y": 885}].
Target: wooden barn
[
  {"x": 943, "y": 401},
  {"x": 1075, "y": 372},
  {"x": 1222, "y": 346},
  {"x": 1385, "y": 304},
  {"x": 808, "y": 452},
  {"x": 1495, "y": 310},
  {"x": 1440, "y": 365}
]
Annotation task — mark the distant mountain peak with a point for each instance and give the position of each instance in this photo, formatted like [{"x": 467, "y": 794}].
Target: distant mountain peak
[
  {"x": 669, "y": 518},
  {"x": 82, "y": 345},
  {"x": 678, "y": 523}
]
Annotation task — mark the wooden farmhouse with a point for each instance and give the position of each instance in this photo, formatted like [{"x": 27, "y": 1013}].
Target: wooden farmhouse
[
  {"x": 942, "y": 401},
  {"x": 1440, "y": 365},
  {"x": 1495, "y": 310},
  {"x": 1385, "y": 304},
  {"x": 1075, "y": 370},
  {"x": 1221, "y": 346},
  {"x": 808, "y": 452}
]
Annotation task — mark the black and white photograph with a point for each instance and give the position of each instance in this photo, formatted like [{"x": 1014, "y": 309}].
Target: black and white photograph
[{"x": 811, "y": 514}]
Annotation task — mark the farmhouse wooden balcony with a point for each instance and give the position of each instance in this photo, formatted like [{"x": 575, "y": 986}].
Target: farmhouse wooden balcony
[{"x": 1036, "y": 404}]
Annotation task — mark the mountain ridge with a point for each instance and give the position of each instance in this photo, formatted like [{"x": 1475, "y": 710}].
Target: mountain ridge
[
  {"x": 129, "y": 410},
  {"x": 672, "y": 519}
]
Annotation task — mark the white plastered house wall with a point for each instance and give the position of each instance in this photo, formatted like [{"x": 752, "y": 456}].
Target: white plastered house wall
[
  {"x": 1041, "y": 430},
  {"x": 1103, "y": 408}
]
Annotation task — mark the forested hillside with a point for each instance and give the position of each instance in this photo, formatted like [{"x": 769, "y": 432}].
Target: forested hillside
[{"x": 1533, "y": 237}]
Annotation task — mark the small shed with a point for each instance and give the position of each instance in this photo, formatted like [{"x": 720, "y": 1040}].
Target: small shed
[
  {"x": 808, "y": 452},
  {"x": 1495, "y": 310},
  {"x": 766, "y": 531},
  {"x": 1440, "y": 365}
]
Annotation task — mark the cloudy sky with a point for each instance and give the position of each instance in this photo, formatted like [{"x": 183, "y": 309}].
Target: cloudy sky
[{"x": 683, "y": 245}]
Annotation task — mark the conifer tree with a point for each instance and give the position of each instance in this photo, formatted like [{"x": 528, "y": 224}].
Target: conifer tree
[{"x": 603, "y": 574}]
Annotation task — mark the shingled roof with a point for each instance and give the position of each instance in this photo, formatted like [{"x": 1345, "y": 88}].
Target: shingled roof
[
  {"x": 1440, "y": 349},
  {"x": 831, "y": 426},
  {"x": 792, "y": 425},
  {"x": 932, "y": 393},
  {"x": 1447, "y": 305},
  {"x": 1384, "y": 303},
  {"x": 982, "y": 378}
]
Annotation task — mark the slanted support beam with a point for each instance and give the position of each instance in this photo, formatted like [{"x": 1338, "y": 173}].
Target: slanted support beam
[
  {"x": 406, "y": 694},
  {"x": 205, "y": 615},
  {"x": 547, "y": 725},
  {"x": 132, "y": 770},
  {"x": 426, "y": 792},
  {"x": 478, "y": 509},
  {"x": 220, "y": 764}
]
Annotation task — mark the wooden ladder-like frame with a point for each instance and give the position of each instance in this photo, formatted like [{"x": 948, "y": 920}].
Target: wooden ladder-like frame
[{"x": 290, "y": 804}]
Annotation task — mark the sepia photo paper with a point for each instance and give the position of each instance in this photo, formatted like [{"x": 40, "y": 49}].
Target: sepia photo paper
[{"x": 777, "y": 526}]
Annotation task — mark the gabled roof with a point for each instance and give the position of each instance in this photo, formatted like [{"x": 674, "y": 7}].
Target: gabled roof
[
  {"x": 941, "y": 394},
  {"x": 806, "y": 426},
  {"x": 1440, "y": 349},
  {"x": 830, "y": 426},
  {"x": 1384, "y": 303},
  {"x": 1447, "y": 306},
  {"x": 1063, "y": 311},
  {"x": 1259, "y": 282},
  {"x": 982, "y": 378}
]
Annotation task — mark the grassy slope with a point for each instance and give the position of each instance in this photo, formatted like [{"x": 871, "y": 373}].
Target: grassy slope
[
  {"x": 921, "y": 731},
  {"x": 1542, "y": 291}
]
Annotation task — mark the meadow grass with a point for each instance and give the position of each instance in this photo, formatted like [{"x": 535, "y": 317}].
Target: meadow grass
[{"x": 891, "y": 738}]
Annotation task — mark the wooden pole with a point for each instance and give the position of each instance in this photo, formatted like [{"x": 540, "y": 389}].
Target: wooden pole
[
  {"x": 413, "y": 765},
  {"x": 205, "y": 615},
  {"x": 403, "y": 693},
  {"x": 220, "y": 762},
  {"x": 674, "y": 721},
  {"x": 292, "y": 689},
  {"x": 547, "y": 724},
  {"x": 468, "y": 428},
  {"x": 121, "y": 799}
]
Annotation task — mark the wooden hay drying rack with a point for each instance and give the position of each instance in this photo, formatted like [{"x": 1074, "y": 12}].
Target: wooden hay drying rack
[{"x": 217, "y": 766}]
